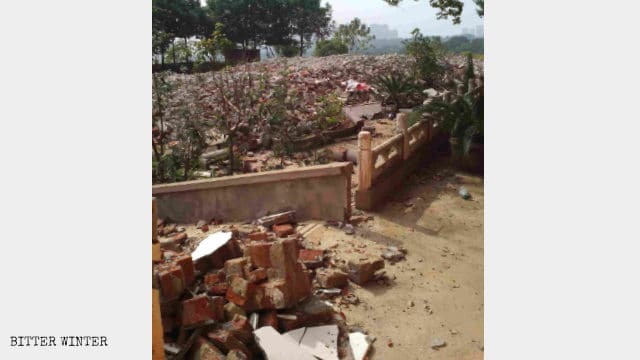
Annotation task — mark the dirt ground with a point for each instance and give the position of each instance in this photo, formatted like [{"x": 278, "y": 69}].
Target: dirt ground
[{"x": 437, "y": 292}]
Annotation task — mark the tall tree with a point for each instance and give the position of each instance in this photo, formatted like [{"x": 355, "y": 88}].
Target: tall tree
[
  {"x": 308, "y": 18},
  {"x": 448, "y": 8},
  {"x": 355, "y": 35}
]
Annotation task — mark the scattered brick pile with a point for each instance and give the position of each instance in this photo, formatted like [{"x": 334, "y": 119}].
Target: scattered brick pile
[{"x": 212, "y": 305}]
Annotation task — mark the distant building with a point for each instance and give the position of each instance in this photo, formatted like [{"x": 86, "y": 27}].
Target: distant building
[
  {"x": 467, "y": 31},
  {"x": 382, "y": 31},
  {"x": 480, "y": 31}
]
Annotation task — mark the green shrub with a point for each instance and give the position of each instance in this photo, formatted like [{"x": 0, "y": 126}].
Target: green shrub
[
  {"x": 427, "y": 53},
  {"x": 330, "y": 47}
]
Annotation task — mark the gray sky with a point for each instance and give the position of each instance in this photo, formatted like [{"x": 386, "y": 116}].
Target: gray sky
[{"x": 404, "y": 18}]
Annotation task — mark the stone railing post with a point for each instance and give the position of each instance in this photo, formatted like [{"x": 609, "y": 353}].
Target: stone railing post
[
  {"x": 401, "y": 122},
  {"x": 365, "y": 161}
]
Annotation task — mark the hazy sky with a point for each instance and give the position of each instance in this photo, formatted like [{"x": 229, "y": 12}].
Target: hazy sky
[{"x": 404, "y": 18}]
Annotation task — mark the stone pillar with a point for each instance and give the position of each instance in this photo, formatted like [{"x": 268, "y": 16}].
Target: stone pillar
[
  {"x": 365, "y": 161},
  {"x": 401, "y": 123}
]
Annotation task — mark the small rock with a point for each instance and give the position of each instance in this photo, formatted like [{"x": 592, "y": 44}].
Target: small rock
[
  {"x": 437, "y": 343},
  {"x": 349, "y": 229}
]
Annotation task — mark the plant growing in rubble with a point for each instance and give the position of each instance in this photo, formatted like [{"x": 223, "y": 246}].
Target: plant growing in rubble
[
  {"x": 330, "y": 111},
  {"x": 178, "y": 145},
  {"x": 395, "y": 87},
  {"x": 277, "y": 112},
  {"x": 233, "y": 106}
]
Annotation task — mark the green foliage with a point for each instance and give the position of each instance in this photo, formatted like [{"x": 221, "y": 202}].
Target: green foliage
[
  {"x": 448, "y": 8},
  {"x": 427, "y": 53},
  {"x": 287, "y": 50},
  {"x": 179, "y": 51},
  {"x": 461, "y": 44},
  {"x": 330, "y": 47},
  {"x": 207, "y": 50},
  {"x": 309, "y": 18},
  {"x": 330, "y": 111},
  {"x": 395, "y": 87},
  {"x": 355, "y": 34},
  {"x": 414, "y": 117},
  {"x": 463, "y": 118}
]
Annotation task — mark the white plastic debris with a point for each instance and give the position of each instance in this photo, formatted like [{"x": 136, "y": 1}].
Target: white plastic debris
[{"x": 212, "y": 243}]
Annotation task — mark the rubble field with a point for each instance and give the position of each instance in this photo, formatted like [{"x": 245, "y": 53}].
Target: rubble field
[{"x": 405, "y": 282}]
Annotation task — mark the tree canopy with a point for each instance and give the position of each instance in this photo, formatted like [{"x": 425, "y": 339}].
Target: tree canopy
[
  {"x": 355, "y": 35},
  {"x": 447, "y": 8}
]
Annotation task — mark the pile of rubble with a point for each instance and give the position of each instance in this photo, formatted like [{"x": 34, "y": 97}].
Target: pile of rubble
[{"x": 254, "y": 292}]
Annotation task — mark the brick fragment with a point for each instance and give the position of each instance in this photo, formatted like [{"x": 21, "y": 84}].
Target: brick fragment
[
  {"x": 219, "y": 289},
  {"x": 231, "y": 309},
  {"x": 242, "y": 293},
  {"x": 204, "y": 350},
  {"x": 225, "y": 341},
  {"x": 237, "y": 355},
  {"x": 179, "y": 238},
  {"x": 257, "y": 275},
  {"x": 283, "y": 230},
  {"x": 188, "y": 269},
  {"x": 239, "y": 327},
  {"x": 311, "y": 258},
  {"x": 172, "y": 282},
  {"x": 202, "y": 308},
  {"x": 259, "y": 253},
  {"x": 236, "y": 267},
  {"x": 331, "y": 278},
  {"x": 258, "y": 236},
  {"x": 311, "y": 312},
  {"x": 269, "y": 318}
]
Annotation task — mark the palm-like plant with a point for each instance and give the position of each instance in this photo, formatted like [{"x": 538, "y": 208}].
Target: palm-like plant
[
  {"x": 394, "y": 87},
  {"x": 463, "y": 118}
]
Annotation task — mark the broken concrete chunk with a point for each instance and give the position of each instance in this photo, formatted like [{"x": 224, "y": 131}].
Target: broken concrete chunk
[
  {"x": 277, "y": 219},
  {"x": 319, "y": 341},
  {"x": 231, "y": 309},
  {"x": 359, "y": 345},
  {"x": 279, "y": 347},
  {"x": 237, "y": 355},
  {"x": 437, "y": 343},
  {"x": 212, "y": 243},
  {"x": 393, "y": 254},
  {"x": 362, "y": 271}
]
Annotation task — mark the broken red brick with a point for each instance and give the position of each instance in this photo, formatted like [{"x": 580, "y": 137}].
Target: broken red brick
[
  {"x": 259, "y": 253},
  {"x": 211, "y": 279},
  {"x": 225, "y": 341},
  {"x": 257, "y": 275},
  {"x": 240, "y": 327},
  {"x": 172, "y": 282},
  {"x": 283, "y": 230},
  {"x": 311, "y": 258},
  {"x": 258, "y": 236},
  {"x": 231, "y": 310},
  {"x": 331, "y": 278},
  {"x": 204, "y": 228},
  {"x": 241, "y": 292},
  {"x": 218, "y": 289},
  {"x": 179, "y": 238},
  {"x": 269, "y": 318},
  {"x": 186, "y": 263},
  {"x": 202, "y": 308},
  {"x": 204, "y": 350},
  {"x": 236, "y": 267}
]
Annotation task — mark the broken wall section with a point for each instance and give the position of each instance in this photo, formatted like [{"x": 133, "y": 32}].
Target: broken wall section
[{"x": 314, "y": 192}]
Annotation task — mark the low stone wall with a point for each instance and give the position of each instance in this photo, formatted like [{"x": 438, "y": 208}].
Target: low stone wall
[{"x": 315, "y": 192}]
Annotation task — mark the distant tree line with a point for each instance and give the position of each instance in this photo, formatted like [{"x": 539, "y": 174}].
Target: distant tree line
[{"x": 246, "y": 24}]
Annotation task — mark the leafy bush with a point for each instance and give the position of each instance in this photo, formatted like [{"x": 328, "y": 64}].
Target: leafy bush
[
  {"x": 330, "y": 47},
  {"x": 330, "y": 110},
  {"x": 427, "y": 53},
  {"x": 395, "y": 88},
  {"x": 289, "y": 50}
]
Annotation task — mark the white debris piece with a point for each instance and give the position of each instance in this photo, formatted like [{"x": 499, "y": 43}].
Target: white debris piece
[
  {"x": 212, "y": 243},
  {"x": 359, "y": 345},
  {"x": 279, "y": 347},
  {"x": 319, "y": 341}
]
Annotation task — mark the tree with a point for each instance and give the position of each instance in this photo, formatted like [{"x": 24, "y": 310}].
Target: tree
[
  {"x": 427, "y": 53},
  {"x": 330, "y": 47},
  {"x": 448, "y": 8},
  {"x": 308, "y": 18},
  {"x": 355, "y": 35},
  {"x": 208, "y": 49}
]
